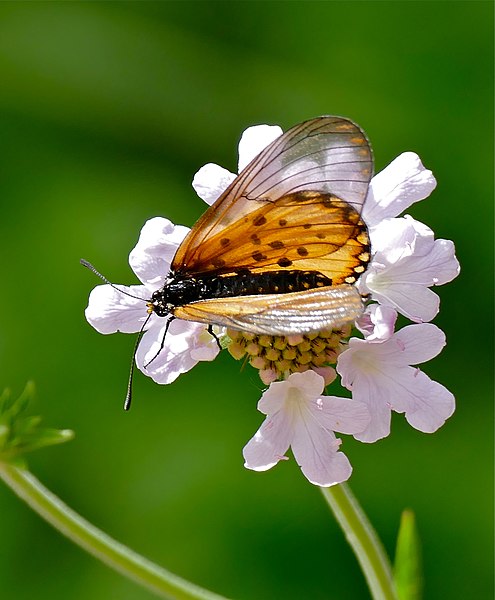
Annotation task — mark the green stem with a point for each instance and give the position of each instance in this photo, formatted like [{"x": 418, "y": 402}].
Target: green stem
[
  {"x": 363, "y": 540},
  {"x": 158, "y": 580}
]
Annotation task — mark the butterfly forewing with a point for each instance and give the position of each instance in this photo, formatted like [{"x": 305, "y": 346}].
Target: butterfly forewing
[{"x": 295, "y": 206}]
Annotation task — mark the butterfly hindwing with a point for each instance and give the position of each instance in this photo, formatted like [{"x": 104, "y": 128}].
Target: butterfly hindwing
[{"x": 279, "y": 314}]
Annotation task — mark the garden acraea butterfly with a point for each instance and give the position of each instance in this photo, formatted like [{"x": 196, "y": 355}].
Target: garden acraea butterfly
[{"x": 280, "y": 250}]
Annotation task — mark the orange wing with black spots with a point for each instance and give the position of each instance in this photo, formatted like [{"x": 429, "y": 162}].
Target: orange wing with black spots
[{"x": 296, "y": 206}]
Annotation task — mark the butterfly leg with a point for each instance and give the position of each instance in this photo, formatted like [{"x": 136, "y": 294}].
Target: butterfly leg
[
  {"x": 172, "y": 318},
  {"x": 213, "y": 334}
]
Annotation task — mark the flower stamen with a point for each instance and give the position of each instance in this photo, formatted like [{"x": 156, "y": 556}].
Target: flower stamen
[{"x": 276, "y": 357}]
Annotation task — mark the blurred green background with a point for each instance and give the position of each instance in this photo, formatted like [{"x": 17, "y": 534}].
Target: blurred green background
[{"x": 107, "y": 110}]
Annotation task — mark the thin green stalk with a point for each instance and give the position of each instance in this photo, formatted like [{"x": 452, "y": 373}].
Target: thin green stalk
[
  {"x": 99, "y": 544},
  {"x": 363, "y": 540}
]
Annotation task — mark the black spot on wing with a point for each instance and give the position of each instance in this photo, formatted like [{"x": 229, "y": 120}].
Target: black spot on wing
[{"x": 284, "y": 262}]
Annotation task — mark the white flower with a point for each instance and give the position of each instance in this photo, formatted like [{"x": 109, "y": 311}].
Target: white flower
[
  {"x": 407, "y": 260},
  {"x": 110, "y": 311},
  {"x": 299, "y": 416},
  {"x": 378, "y": 371}
]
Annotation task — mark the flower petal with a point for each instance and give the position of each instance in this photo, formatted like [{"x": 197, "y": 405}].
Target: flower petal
[
  {"x": 392, "y": 239},
  {"x": 340, "y": 414},
  {"x": 377, "y": 322},
  {"x": 328, "y": 373},
  {"x": 211, "y": 181},
  {"x": 432, "y": 407},
  {"x": 413, "y": 300},
  {"x": 307, "y": 385},
  {"x": 254, "y": 140},
  {"x": 316, "y": 452},
  {"x": 426, "y": 403},
  {"x": 184, "y": 346},
  {"x": 419, "y": 343},
  {"x": 270, "y": 443},
  {"x": 434, "y": 265},
  {"x": 152, "y": 255},
  {"x": 403, "y": 182},
  {"x": 370, "y": 391},
  {"x": 110, "y": 311}
]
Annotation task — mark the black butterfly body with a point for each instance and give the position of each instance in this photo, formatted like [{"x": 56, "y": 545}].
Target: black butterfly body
[{"x": 180, "y": 290}]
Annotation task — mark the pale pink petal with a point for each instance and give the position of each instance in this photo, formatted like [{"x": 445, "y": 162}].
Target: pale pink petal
[
  {"x": 422, "y": 259},
  {"x": 204, "y": 353},
  {"x": 179, "y": 353},
  {"x": 305, "y": 385},
  {"x": 410, "y": 345},
  {"x": 411, "y": 242},
  {"x": 152, "y": 255},
  {"x": 268, "y": 376},
  {"x": 426, "y": 403},
  {"x": 316, "y": 452},
  {"x": 340, "y": 414},
  {"x": 395, "y": 238},
  {"x": 309, "y": 383},
  {"x": 377, "y": 322},
  {"x": 110, "y": 311},
  {"x": 418, "y": 343},
  {"x": 373, "y": 359},
  {"x": 347, "y": 366},
  {"x": 432, "y": 407},
  {"x": 371, "y": 391},
  {"x": 211, "y": 181},
  {"x": 433, "y": 264},
  {"x": 273, "y": 399},
  {"x": 270, "y": 443},
  {"x": 389, "y": 288},
  {"x": 403, "y": 182},
  {"x": 328, "y": 373},
  {"x": 254, "y": 140}
]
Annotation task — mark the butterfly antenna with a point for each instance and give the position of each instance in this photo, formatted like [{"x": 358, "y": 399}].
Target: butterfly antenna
[
  {"x": 128, "y": 396},
  {"x": 89, "y": 266}
]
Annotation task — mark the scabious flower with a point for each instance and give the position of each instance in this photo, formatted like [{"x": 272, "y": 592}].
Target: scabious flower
[{"x": 380, "y": 370}]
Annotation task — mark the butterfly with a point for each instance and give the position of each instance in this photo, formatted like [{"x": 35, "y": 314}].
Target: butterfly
[{"x": 280, "y": 250}]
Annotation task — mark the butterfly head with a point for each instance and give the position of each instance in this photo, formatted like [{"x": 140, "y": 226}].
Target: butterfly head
[{"x": 159, "y": 303}]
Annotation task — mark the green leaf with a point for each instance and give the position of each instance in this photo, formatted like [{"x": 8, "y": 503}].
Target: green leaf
[
  {"x": 21, "y": 433},
  {"x": 408, "y": 575}
]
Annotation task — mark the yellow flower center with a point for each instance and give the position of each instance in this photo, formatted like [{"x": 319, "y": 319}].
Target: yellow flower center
[{"x": 276, "y": 357}]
